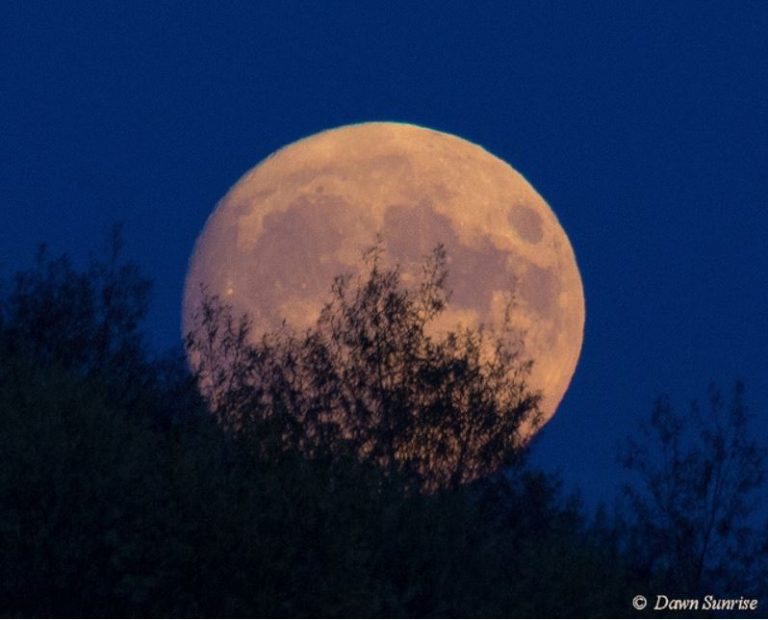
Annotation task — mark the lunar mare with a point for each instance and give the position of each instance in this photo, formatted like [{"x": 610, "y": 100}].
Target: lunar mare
[{"x": 307, "y": 213}]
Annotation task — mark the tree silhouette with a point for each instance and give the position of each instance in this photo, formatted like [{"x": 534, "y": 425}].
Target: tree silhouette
[
  {"x": 690, "y": 521},
  {"x": 370, "y": 379},
  {"x": 104, "y": 511},
  {"x": 86, "y": 321}
]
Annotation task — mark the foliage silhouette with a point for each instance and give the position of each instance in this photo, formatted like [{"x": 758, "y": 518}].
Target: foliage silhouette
[
  {"x": 371, "y": 380},
  {"x": 120, "y": 495},
  {"x": 88, "y": 321},
  {"x": 695, "y": 489}
]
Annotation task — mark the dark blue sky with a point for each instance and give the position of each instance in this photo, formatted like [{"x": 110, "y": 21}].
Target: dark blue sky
[{"x": 643, "y": 124}]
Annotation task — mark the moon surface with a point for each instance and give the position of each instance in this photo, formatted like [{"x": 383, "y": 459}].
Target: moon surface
[{"x": 274, "y": 243}]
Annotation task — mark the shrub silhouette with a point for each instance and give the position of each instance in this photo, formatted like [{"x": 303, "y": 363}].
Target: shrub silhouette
[
  {"x": 120, "y": 495},
  {"x": 690, "y": 520},
  {"x": 371, "y": 380}
]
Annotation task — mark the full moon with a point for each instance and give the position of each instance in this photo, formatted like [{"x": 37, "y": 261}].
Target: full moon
[{"x": 306, "y": 214}]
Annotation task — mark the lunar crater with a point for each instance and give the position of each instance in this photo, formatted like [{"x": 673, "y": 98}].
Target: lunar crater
[{"x": 527, "y": 223}]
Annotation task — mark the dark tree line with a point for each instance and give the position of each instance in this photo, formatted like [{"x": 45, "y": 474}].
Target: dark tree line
[
  {"x": 370, "y": 381},
  {"x": 313, "y": 489}
]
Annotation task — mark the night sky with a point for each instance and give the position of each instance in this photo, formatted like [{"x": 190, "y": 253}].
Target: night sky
[{"x": 643, "y": 124}]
